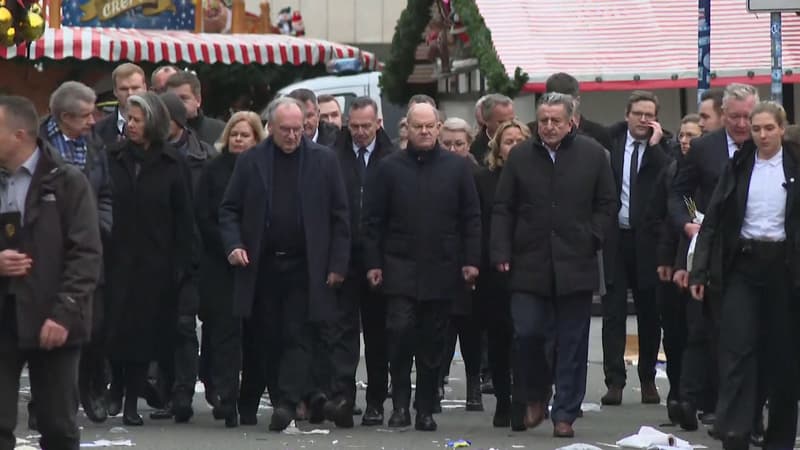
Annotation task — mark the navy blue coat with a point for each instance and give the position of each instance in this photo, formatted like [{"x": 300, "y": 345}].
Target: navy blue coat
[{"x": 244, "y": 216}]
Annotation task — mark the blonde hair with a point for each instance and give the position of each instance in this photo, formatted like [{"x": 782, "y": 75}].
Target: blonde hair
[
  {"x": 773, "y": 108},
  {"x": 493, "y": 158},
  {"x": 125, "y": 70},
  {"x": 456, "y": 124},
  {"x": 251, "y": 118}
]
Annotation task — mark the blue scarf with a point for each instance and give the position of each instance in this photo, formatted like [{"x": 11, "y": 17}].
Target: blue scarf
[{"x": 72, "y": 151}]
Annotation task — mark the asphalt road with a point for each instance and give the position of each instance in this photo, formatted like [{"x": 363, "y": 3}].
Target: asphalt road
[{"x": 598, "y": 428}]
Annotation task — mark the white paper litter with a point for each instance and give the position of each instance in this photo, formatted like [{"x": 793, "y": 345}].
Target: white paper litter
[
  {"x": 661, "y": 374},
  {"x": 456, "y": 406},
  {"x": 26, "y": 447},
  {"x": 517, "y": 446},
  {"x": 118, "y": 430},
  {"x": 107, "y": 443},
  {"x": 591, "y": 407},
  {"x": 293, "y": 430},
  {"x": 579, "y": 446},
  {"x": 361, "y": 385},
  {"x": 649, "y": 437},
  {"x": 22, "y": 441}
]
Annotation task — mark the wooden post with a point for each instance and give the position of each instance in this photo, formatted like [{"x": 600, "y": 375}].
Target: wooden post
[
  {"x": 266, "y": 18},
  {"x": 54, "y": 13},
  {"x": 198, "y": 16},
  {"x": 238, "y": 21}
]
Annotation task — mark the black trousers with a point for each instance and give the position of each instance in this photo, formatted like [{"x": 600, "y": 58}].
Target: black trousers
[
  {"x": 615, "y": 314},
  {"x": 758, "y": 345},
  {"x": 466, "y": 329},
  {"x": 417, "y": 332},
  {"x": 53, "y": 378},
  {"x": 284, "y": 337},
  {"x": 672, "y": 306},
  {"x": 494, "y": 308},
  {"x": 699, "y": 370},
  {"x": 260, "y": 357},
  {"x": 221, "y": 357},
  {"x": 568, "y": 318},
  {"x": 356, "y": 299}
]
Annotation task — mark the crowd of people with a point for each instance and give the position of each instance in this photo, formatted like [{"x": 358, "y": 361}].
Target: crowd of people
[{"x": 289, "y": 241}]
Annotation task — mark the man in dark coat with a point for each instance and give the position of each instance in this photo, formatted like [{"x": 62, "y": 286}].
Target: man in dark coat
[
  {"x": 128, "y": 79},
  {"x": 187, "y": 87},
  {"x": 49, "y": 267},
  {"x": 638, "y": 156},
  {"x": 422, "y": 248},
  {"x": 69, "y": 130},
  {"x": 360, "y": 148},
  {"x": 554, "y": 202},
  {"x": 285, "y": 226},
  {"x": 322, "y": 133},
  {"x": 495, "y": 109},
  {"x": 185, "y": 140},
  {"x": 697, "y": 178}
]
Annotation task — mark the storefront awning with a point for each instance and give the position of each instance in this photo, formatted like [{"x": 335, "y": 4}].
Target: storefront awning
[
  {"x": 609, "y": 44},
  {"x": 155, "y": 46}
]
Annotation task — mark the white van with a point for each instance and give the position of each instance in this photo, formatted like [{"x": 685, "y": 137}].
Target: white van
[{"x": 346, "y": 88}]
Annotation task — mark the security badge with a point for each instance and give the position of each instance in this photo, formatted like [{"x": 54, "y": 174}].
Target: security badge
[{"x": 11, "y": 230}]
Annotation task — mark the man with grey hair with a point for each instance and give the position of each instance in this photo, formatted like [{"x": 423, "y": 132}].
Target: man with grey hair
[
  {"x": 422, "y": 239},
  {"x": 50, "y": 262},
  {"x": 290, "y": 254},
  {"x": 696, "y": 178},
  {"x": 495, "y": 109},
  {"x": 550, "y": 254},
  {"x": 69, "y": 130}
]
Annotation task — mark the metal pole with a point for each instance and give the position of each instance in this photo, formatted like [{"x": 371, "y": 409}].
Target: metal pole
[
  {"x": 703, "y": 48},
  {"x": 777, "y": 59}
]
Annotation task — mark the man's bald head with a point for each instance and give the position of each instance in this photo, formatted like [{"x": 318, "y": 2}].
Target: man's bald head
[{"x": 423, "y": 126}]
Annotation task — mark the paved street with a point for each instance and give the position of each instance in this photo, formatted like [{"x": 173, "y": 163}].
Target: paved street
[{"x": 596, "y": 428}]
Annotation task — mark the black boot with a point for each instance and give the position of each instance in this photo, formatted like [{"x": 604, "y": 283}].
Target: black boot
[
  {"x": 474, "y": 397},
  {"x": 502, "y": 413},
  {"x": 518, "y": 411},
  {"x": 131, "y": 416}
]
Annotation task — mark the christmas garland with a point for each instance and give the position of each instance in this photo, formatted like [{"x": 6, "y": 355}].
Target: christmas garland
[
  {"x": 407, "y": 36},
  {"x": 483, "y": 49}
]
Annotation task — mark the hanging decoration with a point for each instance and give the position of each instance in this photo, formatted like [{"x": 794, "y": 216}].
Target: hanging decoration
[{"x": 20, "y": 21}]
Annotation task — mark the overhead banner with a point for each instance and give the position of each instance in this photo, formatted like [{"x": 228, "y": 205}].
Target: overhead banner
[{"x": 143, "y": 14}]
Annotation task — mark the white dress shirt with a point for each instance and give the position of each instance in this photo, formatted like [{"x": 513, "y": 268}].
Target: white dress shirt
[
  {"x": 316, "y": 136},
  {"x": 625, "y": 192},
  {"x": 765, "y": 212},
  {"x": 551, "y": 152},
  {"x": 732, "y": 147},
  {"x": 369, "y": 148}
]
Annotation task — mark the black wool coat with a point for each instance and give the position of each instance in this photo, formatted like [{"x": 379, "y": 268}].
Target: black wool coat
[
  {"x": 152, "y": 268},
  {"x": 244, "y": 216},
  {"x": 549, "y": 219},
  {"x": 422, "y": 224},
  {"x": 216, "y": 275}
]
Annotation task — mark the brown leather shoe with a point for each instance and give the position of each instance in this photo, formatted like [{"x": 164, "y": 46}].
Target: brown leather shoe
[
  {"x": 563, "y": 430},
  {"x": 650, "y": 394},
  {"x": 534, "y": 414},
  {"x": 613, "y": 397}
]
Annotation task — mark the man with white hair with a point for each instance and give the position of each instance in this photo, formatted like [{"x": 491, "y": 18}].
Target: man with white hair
[
  {"x": 422, "y": 243},
  {"x": 495, "y": 109}
]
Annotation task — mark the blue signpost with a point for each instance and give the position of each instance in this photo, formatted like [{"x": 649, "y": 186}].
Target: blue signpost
[
  {"x": 703, "y": 48},
  {"x": 776, "y": 50}
]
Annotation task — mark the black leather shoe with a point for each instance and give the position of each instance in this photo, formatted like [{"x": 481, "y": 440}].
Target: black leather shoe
[
  {"x": 613, "y": 397},
  {"x": 93, "y": 405},
  {"x": 114, "y": 401},
  {"x": 281, "y": 418},
  {"x": 674, "y": 411},
  {"x": 688, "y": 416},
  {"x": 474, "y": 397},
  {"x": 373, "y": 415},
  {"x": 182, "y": 412},
  {"x": 132, "y": 419},
  {"x": 161, "y": 414},
  {"x": 316, "y": 408},
  {"x": 400, "y": 418},
  {"x": 708, "y": 418},
  {"x": 518, "y": 411},
  {"x": 248, "y": 419},
  {"x": 733, "y": 441},
  {"x": 502, "y": 414},
  {"x": 425, "y": 422},
  {"x": 340, "y": 413}
]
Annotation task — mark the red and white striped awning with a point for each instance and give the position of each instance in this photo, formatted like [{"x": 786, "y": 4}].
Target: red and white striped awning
[
  {"x": 616, "y": 40},
  {"x": 114, "y": 44}
]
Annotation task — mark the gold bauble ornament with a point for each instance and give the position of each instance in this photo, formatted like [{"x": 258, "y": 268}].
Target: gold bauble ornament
[
  {"x": 7, "y": 37},
  {"x": 32, "y": 26},
  {"x": 6, "y": 19}
]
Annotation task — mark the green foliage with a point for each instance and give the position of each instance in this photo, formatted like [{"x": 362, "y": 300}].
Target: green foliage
[
  {"x": 407, "y": 37},
  {"x": 483, "y": 49}
]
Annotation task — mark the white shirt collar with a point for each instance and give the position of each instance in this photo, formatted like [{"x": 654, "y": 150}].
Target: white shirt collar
[
  {"x": 630, "y": 140},
  {"x": 370, "y": 147},
  {"x": 316, "y": 135},
  {"x": 120, "y": 121},
  {"x": 732, "y": 146},
  {"x": 776, "y": 160}
]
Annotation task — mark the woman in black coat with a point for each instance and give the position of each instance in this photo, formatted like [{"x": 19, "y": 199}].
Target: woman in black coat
[
  {"x": 748, "y": 255},
  {"x": 152, "y": 249},
  {"x": 222, "y": 344},
  {"x": 493, "y": 297}
]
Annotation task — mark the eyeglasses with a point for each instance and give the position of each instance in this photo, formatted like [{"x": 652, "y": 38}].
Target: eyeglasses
[
  {"x": 642, "y": 115},
  {"x": 424, "y": 126}
]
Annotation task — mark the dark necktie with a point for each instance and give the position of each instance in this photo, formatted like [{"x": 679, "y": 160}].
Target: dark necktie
[
  {"x": 362, "y": 163},
  {"x": 632, "y": 178},
  {"x": 121, "y": 135}
]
